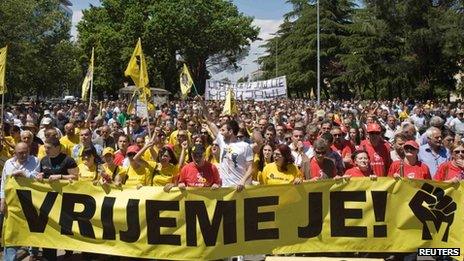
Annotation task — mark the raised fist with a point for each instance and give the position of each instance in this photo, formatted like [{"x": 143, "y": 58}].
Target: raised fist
[{"x": 438, "y": 208}]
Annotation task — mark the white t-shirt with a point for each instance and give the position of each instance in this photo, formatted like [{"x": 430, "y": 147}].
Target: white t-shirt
[{"x": 233, "y": 161}]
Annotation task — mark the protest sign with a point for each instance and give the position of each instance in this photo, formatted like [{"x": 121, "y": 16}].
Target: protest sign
[
  {"x": 259, "y": 91},
  {"x": 197, "y": 224}
]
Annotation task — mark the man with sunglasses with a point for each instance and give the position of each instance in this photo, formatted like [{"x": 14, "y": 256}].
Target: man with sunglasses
[
  {"x": 377, "y": 149},
  {"x": 342, "y": 146}
]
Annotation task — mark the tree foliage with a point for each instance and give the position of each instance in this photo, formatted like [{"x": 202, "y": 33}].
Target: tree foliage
[
  {"x": 41, "y": 57},
  {"x": 207, "y": 35},
  {"x": 384, "y": 49}
]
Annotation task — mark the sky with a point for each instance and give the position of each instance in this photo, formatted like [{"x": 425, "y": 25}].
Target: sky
[{"x": 267, "y": 16}]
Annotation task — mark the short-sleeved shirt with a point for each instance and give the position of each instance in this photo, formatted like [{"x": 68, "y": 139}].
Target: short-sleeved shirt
[
  {"x": 165, "y": 175},
  {"x": 432, "y": 159},
  {"x": 141, "y": 175},
  {"x": 417, "y": 171},
  {"x": 327, "y": 170},
  {"x": 58, "y": 165},
  {"x": 379, "y": 157},
  {"x": 271, "y": 174},
  {"x": 357, "y": 173},
  {"x": 194, "y": 176},
  {"x": 447, "y": 171},
  {"x": 86, "y": 173},
  {"x": 233, "y": 161}
]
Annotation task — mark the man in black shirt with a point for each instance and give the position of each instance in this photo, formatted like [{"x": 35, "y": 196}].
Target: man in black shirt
[{"x": 57, "y": 165}]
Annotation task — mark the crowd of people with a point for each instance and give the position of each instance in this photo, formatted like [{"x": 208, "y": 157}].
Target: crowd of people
[{"x": 193, "y": 144}]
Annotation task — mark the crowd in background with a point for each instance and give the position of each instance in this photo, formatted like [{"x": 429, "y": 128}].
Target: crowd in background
[{"x": 193, "y": 144}]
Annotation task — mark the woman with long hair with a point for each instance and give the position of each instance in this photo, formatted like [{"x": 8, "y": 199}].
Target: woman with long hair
[
  {"x": 282, "y": 170},
  {"x": 354, "y": 137},
  {"x": 264, "y": 157}
]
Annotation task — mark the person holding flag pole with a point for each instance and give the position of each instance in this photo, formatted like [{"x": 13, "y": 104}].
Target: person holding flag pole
[
  {"x": 186, "y": 82},
  {"x": 137, "y": 70},
  {"x": 3, "y": 55}
]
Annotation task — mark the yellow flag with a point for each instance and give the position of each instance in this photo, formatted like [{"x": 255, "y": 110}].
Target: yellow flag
[
  {"x": 137, "y": 70},
  {"x": 230, "y": 108},
  {"x": 2, "y": 69},
  {"x": 88, "y": 79},
  {"x": 186, "y": 81}
]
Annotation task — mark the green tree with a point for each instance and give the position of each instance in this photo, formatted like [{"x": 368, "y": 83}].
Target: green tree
[
  {"x": 295, "y": 45},
  {"x": 41, "y": 58},
  {"x": 204, "y": 34}
]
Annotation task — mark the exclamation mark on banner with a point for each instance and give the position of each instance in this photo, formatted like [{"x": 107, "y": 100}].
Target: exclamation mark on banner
[{"x": 379, "y": 200}]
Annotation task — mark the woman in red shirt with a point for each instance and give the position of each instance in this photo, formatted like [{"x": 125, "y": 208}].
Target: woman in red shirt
[
  {"x": 362, "y": 167},
  {"x": 452, "y": 171},
  {"x": 410, "y": 167}
]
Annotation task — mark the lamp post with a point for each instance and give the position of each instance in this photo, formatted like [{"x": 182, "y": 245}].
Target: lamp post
[{"x": 318, "y": 57}]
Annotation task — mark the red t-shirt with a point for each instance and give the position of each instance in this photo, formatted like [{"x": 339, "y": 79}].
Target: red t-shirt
[
  {"x": 356, "y": 172},
  {"x": 119, "y": 158},
  {"x": 379, "y": 157},
  {"x": 317, "y": 172},
  {"x": 343, "y": 149},
  {"x": 447, "y": 171},
  {"x": 418, "y": 171},
  {"x": 193, "y": 176}
]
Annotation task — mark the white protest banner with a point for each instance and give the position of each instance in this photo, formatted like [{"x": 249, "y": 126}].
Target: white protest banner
[{"x": 259, "y": 90}]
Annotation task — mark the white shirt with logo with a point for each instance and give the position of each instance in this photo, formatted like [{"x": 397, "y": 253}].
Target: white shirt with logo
[{"x": 233, "y": 161}]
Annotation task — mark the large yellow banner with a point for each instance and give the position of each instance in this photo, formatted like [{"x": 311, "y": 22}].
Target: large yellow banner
[{"x": 196, "y": 224}]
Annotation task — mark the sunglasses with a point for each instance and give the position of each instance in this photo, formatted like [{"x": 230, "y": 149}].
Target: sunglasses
[
  {"x": 458, "y": 151},
  {"x": 337, "y": 135},
  {"x": 131, "y": 154}
]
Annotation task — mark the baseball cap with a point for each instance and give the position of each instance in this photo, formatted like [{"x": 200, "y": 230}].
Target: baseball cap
[
  {"x": 373, "y": 127},
  {"x": 412, "y": 144},
  {"x": 108, "y": 150},
  {"x": 133, "y": 149},
  {"x": 47, "y": 112}
]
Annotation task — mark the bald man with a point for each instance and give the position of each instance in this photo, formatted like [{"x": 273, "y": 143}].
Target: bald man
[{"x": 21, "y": 165}]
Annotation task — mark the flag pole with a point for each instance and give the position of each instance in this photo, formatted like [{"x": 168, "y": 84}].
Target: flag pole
[{"x": 91, "y": 82}]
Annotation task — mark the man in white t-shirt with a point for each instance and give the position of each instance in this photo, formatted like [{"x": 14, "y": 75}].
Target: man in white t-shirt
[{"x": 236, "y": 157}]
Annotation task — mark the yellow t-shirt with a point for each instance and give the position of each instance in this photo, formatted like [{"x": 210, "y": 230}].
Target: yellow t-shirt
[
  {"x": 165, "y": 175},
  {"x": 121, "y": 172},
  {"x": 257, "y": 174},
  {"x": 69, "y": 143},
  {"x": 86, "y": 173},
  {"x": 147, "y": 154},
  {"x": 272, "y": 176},
  {"x": 41, "y": 153},
  {"x": 141, "y": 175}
]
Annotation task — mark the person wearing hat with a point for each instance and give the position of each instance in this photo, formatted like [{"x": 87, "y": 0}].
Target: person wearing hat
[
  {"x": 198, "y": 173},
  {"x": 111, "y": 173},
  {"x": 46, "y": 122},
  {"x": 410, "y": 167},
  {"x": 377, "y": 149},
  {"x": 139, "y": 172}
]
